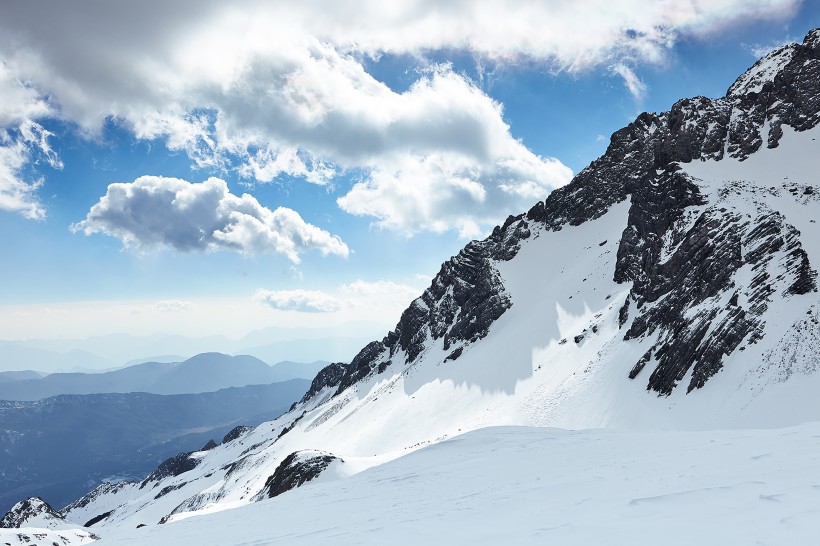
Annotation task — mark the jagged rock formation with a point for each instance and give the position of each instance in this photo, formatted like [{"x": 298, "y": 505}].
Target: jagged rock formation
[
  {"x": 295, "y": 470},
  {"x": 464, "y": 299},
  {"x": 33, "y": 522},
  {"x": 26, "y": 510},
  {"x": 330, "y": 375},
  {"x": 235, "y": 433},
  {"x": 173, "y": 466},
  {"x": 642, "y": 164}
]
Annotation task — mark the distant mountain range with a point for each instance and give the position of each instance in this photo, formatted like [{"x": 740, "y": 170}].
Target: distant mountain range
[
  {"x": 8, "y": 377},
  {"x": 112, "y": 351},
  {"x": 205, "y": 372},
  {"x": 62, "y": 446}
]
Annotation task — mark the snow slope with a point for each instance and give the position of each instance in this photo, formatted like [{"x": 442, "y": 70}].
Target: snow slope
[
  {"x": 514, "y": 485},
  {"x": 35, "y": 536},
  {"x": 556, "y": 357}
]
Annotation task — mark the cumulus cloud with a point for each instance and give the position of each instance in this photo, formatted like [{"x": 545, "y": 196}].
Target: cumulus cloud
[
  {"x": 157, "y": 211},
  {"x": 279, "y": 88},
  {"x": 19, "y": 102},
  {"x": 440, "y": 192},
  {"x": 306, "y": 301}
]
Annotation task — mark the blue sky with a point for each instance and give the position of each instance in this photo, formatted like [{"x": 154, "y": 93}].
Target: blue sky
[{"x": 350, "y": 149}]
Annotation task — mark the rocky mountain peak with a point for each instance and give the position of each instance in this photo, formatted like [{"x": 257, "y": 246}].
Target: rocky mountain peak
[
  {"x": 767, "y": 68},
  {"x": 763, "y": 71},
  {"x": 812, "y": 39},
  {"x": 680, "y": 249},
  {"x": 27, "y": 510}
]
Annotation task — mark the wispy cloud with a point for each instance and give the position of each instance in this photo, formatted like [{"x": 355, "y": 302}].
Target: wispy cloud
[
  {"x": 761, "y": 50},
  {"x": 355, "y": 295},
  {"x": 22, "y": 142},
  {"x": 157, "y": 211},
  {"x": 305, "y": 301},
  {"x": 174, "y": 306},
  {"x": 635, "y": 86},
  {"x": 361, "y": 293},
  {"x": 18, "y": 194}
]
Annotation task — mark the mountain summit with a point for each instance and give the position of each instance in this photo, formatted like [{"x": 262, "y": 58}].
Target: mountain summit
[
  {"x": 671, "y": 284},
  {"x": 709, "y": 241}
]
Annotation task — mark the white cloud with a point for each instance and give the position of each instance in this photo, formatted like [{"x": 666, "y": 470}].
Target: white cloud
[
  {"x": 21, "y": 148},
  {"x": 443, "y": 192},
  {"x": 761, "y": 50},
  {"x": 156, "y": 211},
  {"x": 22, "y": 142},
  {"x": 17, "y": 194},
  {"x": 274, "y": 88},
  {"x": 366, "y": 294},
  {"x": 173, "y": 306},
  {"x": 359, "y": 294},
  {"x": 19, "y": 102},
  {"x": 306, "y": 301},
  {"x": 635, "y": 86},
  {"x": 35, "y": 137}
]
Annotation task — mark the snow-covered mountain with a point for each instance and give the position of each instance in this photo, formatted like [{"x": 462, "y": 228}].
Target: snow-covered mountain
[
  {"x": 671, "y": 284},
  {"x": 33, "y": 521}
]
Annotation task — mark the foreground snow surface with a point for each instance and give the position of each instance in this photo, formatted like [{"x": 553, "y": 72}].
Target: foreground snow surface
[{"x": 504, "y": 485}]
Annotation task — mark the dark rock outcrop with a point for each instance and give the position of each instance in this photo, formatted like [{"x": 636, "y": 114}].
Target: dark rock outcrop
[
  {"x": 673, "y": 296},
  {"x": 295, "y": 470},
  {"x": 173, "y": 466},
  {"x": 25, "y": 510},
  {"x": 209, "y": 446},
  {"x": 329, "y": 376},
  {"x": 677, "y": 252},
  {"x": 235, "y": 433},
  {"x": 462, "y": 302},
  {"x": 97, "y": 519},
  {"x": 709, "y": 252}
]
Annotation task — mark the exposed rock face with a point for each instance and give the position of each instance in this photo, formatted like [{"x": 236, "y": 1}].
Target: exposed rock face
[
  {"x": 208, "y": 446},
  {"x": 97, "y": 519},
  {"x": 295, "y": 470},
  {"x": 173, "y": 466},
  {"x": 329, "y": 376},
  {"x": 26, "y": 510},
  {"x": 458, "y": 308},
  {"x": 710, "y": 248},
  {"x": 235, "y": 433},
  {"x": 362, "y": 364}
]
